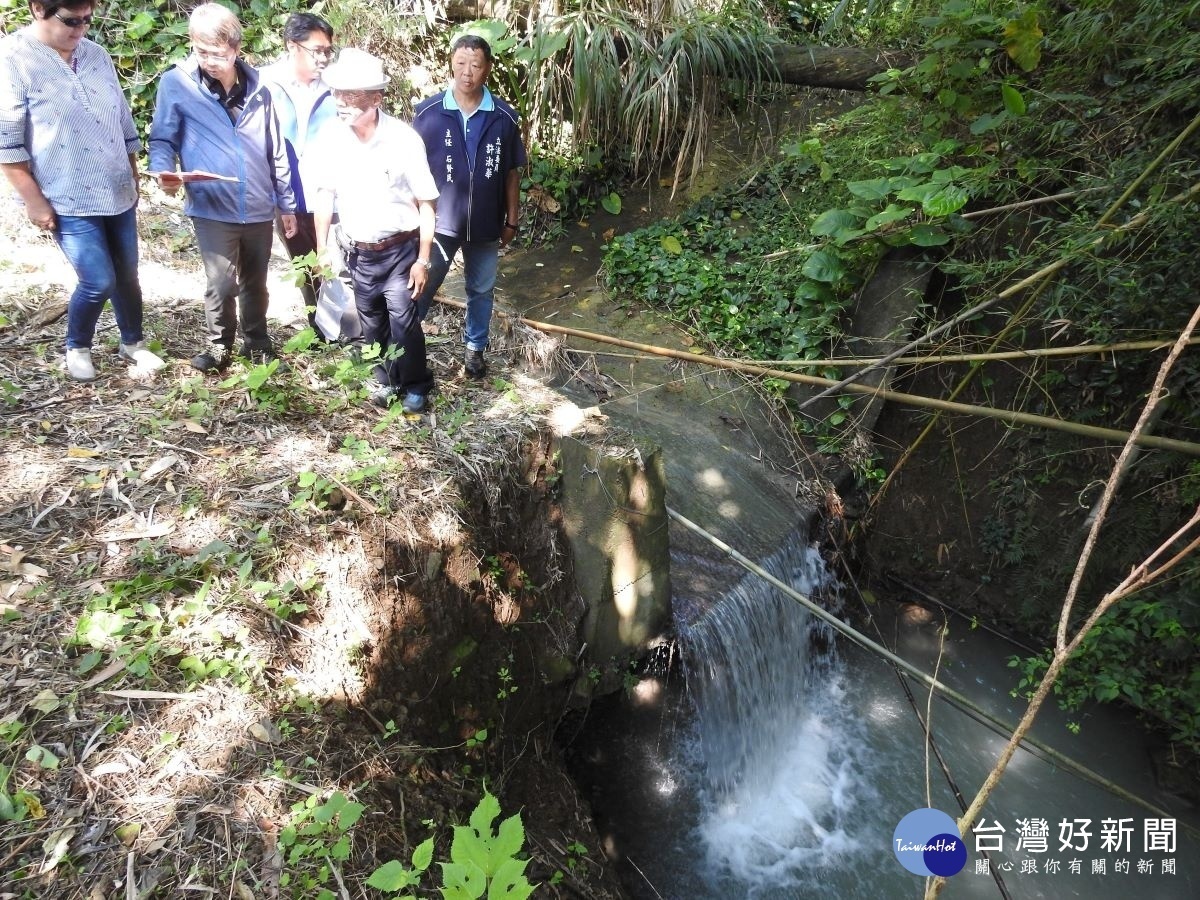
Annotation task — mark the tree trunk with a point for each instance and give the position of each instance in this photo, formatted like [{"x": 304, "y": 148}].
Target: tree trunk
[{"x": 848, "y": 68}]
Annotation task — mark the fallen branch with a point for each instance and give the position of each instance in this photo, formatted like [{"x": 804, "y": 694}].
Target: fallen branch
[
  {"x": 1138, "y": 579},
  {"x": 1013, "y": 417}
]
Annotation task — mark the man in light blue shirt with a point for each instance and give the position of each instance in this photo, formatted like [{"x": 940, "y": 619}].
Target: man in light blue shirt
[{"x": 303, "y": 104}]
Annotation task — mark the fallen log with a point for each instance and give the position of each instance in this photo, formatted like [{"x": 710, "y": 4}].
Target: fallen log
[{"x": 849, "y": 68}]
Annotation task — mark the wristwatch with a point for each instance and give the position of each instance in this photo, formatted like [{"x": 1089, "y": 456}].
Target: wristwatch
[{"x": 424, "y": 262}]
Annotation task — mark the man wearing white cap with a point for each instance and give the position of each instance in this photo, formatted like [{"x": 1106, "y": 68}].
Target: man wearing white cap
[{"x": 373, "y": 167}]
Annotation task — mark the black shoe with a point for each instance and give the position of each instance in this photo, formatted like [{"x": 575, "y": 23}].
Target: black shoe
[
  {"x": 476, "y": 367},
  {"x": 263, "y": 356},
  {"x": 215, "y": 359}
]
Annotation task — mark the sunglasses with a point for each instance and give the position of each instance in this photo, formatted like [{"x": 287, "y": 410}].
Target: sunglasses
[
  {"x": 74, "y": 21},
  {"x": 319, "y": 52}
]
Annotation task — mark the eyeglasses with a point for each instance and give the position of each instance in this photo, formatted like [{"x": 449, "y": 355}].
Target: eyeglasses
[
  {"x": 214, "y": 55},
  {"x": 319, "y": 52},
  {"x": 74, "y": 21},
  {"x": 357, "y": 99}
]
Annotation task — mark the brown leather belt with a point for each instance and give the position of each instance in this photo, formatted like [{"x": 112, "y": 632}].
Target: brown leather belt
[{"x": 399, "y": 237}]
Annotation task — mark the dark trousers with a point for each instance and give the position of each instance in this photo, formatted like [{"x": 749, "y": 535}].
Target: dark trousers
[
  {"x": 303, "y": 242},
  {"x": 235, "y": 266},
  {"x": 388, "y": 312}
]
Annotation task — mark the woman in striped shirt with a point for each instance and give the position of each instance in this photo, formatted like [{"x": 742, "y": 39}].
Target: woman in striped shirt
[{"x": 69, "y": 148}]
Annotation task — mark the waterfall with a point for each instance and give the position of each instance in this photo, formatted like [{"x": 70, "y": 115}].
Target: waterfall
[
  {"x": 776, "y": 756},
  {"x": 780, "y": 770}
]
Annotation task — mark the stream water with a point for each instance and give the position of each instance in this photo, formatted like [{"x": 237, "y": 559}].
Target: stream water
[
  {"x": 781, "y": 764},
  {"x": 766, "y": 759}
]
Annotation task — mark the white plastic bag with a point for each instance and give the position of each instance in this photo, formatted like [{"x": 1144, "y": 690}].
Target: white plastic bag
[{"x": 337, "y": 316}]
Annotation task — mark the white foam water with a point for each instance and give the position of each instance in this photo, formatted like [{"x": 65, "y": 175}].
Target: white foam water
[{"x": 781, "y": 778}]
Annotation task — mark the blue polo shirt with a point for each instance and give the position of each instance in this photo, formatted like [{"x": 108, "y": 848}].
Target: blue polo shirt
[{"x": 472, "y": 134}]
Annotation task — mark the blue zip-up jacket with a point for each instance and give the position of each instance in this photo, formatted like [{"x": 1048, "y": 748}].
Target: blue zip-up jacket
[
  {"x": 279, "y": 79},
  {"x": 470, "y": 202},
  {"x": 191, "y": 125}
]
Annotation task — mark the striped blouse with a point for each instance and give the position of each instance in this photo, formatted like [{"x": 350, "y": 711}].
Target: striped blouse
[{"x": 71, "y": 123}]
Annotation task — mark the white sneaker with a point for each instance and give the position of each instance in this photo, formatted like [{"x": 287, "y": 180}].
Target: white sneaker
[
  {"x": 139, "y": 354},
  {"x": 79, "y": 364}
]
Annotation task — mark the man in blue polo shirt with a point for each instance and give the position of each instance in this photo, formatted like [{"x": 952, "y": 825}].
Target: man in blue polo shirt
[{"x": 473, "y": 141}]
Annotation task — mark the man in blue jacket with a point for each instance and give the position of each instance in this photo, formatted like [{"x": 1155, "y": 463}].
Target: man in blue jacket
[
  {"x": 473, "y": 141},
  {"x": 213, "y": 115},
  {"x": 303, "y": 104}
]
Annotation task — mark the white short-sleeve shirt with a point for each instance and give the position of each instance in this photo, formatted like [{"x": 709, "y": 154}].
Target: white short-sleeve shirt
[{"x": 376, "y": 184}]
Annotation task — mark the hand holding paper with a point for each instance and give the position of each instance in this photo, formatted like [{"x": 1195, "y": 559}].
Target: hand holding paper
[{"x": 178, "y": 178}]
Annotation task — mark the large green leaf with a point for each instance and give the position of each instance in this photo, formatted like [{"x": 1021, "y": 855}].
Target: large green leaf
[
  {"x": 1014, "y": 103},
  {"x": 462, "y": 881},
  {"x": 485, "y": 813},
  {"x": 468, "y": 848},
  {"x": 491, "y": 30},
  {"x": 542, "y": 45},
  {"x": 893, "y": 213},
  {"x": 809, "y": 291},
  {"x": 823, "y": 266},
  {"x": 871, "y": 188},
  {"x": 509, "y": 838},
  {"x": 349, "y": 816},
  {"x": 950, "y": 199},
  {"x": 832, "y": 221},
  {"x": 928, "y": 236},
  {"x": 392, "y": 877},
  {"x": 509, "y": 882},
  {"x": 1023, "y": 40},
  {"x": 671, "y": 244},
  {"x": 950, "y": 173},
  {"x": 919, "y": 193},
  {"x": 988, "y": 121},
  {"x": 423, "y": 855},
  {"x": 140, "y": 25},
  {"x": 611, "y": 203}
]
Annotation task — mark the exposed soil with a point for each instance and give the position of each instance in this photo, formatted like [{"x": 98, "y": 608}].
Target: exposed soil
[{"x": 399, "y": 628}]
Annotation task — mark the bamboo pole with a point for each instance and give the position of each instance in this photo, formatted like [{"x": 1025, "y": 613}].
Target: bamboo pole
[
  {"x": 943, "y": 690},
  {"x": 1013, "y": 417},
  {"x": 941, "y": 358},
  {"x": 963, "y": 382},
  {"x": 1026, "y": 204},
  {"x": 934, "y": 359},
  {"x": 1038, "y": 277}
]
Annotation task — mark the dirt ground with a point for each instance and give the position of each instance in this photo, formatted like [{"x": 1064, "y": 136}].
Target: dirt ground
[{"x": 232, "y": 603}]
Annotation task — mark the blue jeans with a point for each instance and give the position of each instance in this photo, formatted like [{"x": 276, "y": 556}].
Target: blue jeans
[
  {"x": 481, "y": 261},
  {"x": 103, "y": 251}
]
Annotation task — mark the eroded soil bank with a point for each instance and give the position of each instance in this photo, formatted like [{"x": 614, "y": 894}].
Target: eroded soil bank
[{"x": 228, "y": 601}]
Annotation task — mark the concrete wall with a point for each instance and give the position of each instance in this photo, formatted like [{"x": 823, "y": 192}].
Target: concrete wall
[{"x": 614, "y": 510}]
